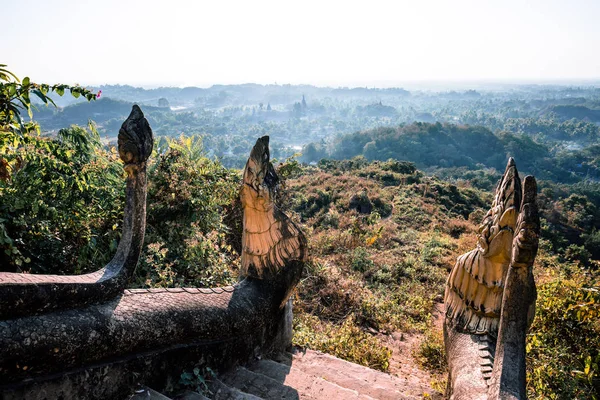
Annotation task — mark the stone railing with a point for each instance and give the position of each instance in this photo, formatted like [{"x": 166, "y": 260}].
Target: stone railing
[{"x": 86, "y": 337}]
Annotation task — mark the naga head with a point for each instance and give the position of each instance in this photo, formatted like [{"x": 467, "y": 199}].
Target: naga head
[
  {"x": 271, "y": 242},
  {"x": 527, "y": 232},
  {"x": 260, "y": 180},
  {"x": 135, "y": 139},
  {"x": 490, "y": 295},
  {"x": 475, "y": 286},
  {"x": 496, "y": 232}
]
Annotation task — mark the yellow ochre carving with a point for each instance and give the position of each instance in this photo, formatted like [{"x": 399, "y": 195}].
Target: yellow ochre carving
[
  {"x": 475, "y": 286},
  {"x": 269, "y": 239}
]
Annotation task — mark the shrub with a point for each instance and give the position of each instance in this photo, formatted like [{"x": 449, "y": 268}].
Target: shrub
[
  {"x": 578, "y": 254},
  {"x": 189, "y": 200},
  {"x": 329, "y": 293},
  {"x": 591, "y": 241},
  {"x": 61, "y": 204},
  {"x": 431, "y": 353},
  {"x": 563, "y": 346},
  {"x": 360, "y": 260}
]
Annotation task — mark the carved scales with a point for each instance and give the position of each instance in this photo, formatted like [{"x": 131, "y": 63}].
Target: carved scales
[
  {"x": 270, "y": 239},
  {"x": 475, "y": 286}
]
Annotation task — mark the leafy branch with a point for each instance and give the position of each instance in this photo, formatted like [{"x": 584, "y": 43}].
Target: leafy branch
[{"x": 15, "y": 97}]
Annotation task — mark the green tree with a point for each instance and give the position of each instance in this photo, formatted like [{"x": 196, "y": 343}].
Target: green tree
[
  {"x": 50, "y": 188},
  {"x": 162, "y": 102},
  {"x": 60, "y": 203}
]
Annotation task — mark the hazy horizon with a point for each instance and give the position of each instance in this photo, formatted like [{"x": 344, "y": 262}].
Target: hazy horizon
[
  {"x": 383, "y": 44},
  {"x": 425, "y": 85}
]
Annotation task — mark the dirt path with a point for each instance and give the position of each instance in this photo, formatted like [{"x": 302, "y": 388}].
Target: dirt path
[{"x": 403, "y": 363}]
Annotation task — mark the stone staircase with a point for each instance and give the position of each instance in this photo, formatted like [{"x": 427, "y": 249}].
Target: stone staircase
[{"x": 302, "y": 375}]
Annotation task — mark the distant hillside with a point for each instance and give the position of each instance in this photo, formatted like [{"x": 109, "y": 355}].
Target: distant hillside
[
  {"x": 100, "y": 111},
  {"x": 578, "y": 112},
  {"x": 249, "y": 93},
  {"x": 450, "y": 146}
]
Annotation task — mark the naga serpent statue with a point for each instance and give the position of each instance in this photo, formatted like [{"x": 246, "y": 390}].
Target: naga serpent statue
[
  {"x": 87, "y": 337},
  {"x": 490, "y": 297}
]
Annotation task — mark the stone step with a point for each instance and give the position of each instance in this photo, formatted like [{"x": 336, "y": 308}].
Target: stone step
[
  {"x": 145, "y": 393},
  {"x": 284, "y": 358},
  {"x": 191, "y": 396},
  {"x": 259, "y": 385},
  {"x": 363, "y": 380},
  {"x": 308, "y": 387},
  {"x": 221, "y": 391}
]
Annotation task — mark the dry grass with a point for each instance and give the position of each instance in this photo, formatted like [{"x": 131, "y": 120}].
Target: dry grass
[{"x": 379, "y": 271}]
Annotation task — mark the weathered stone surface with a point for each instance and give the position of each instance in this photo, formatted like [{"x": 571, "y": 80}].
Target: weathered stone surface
[
  {"x": 518, "y": 304},
  {"x": 135, "y": 139},
  {"x": 146, "y": 393},
  {"x": 470, "y": 357},
  {"x": 223, "y": 392},
  {"x": 490, "y": 295},
  {"x": 363, "y": 380},
  {"x": 307, "y": 375},
  {"x": 191, "y": 396},
  {"x": 307, "y": 386},
  {"x": 285, "y": 329},
  {"x": 116, "y": 378},
  {"x": 474, "y": 288},
  {"x": 137, "y": 322},
  {"x": 258, "y": 385}
]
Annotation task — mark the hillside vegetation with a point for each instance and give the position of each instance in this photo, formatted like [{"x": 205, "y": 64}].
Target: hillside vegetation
[
  {"x": 385, "y": 220},
  {"x": 382, "y": 237},
  {"x": 471, "y": 147}
]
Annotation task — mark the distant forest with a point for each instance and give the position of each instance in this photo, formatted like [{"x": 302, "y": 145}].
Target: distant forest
[{"x": 471, "y": 147}]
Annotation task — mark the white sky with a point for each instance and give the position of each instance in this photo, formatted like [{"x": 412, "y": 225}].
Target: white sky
[{"x": 371, "y": 42}]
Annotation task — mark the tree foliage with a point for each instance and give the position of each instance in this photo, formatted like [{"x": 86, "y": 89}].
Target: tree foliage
[
  {"x": 16, "y": 94},
  {"x": 60, "y": 202},
  {"x": 49, "y": 186}
]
